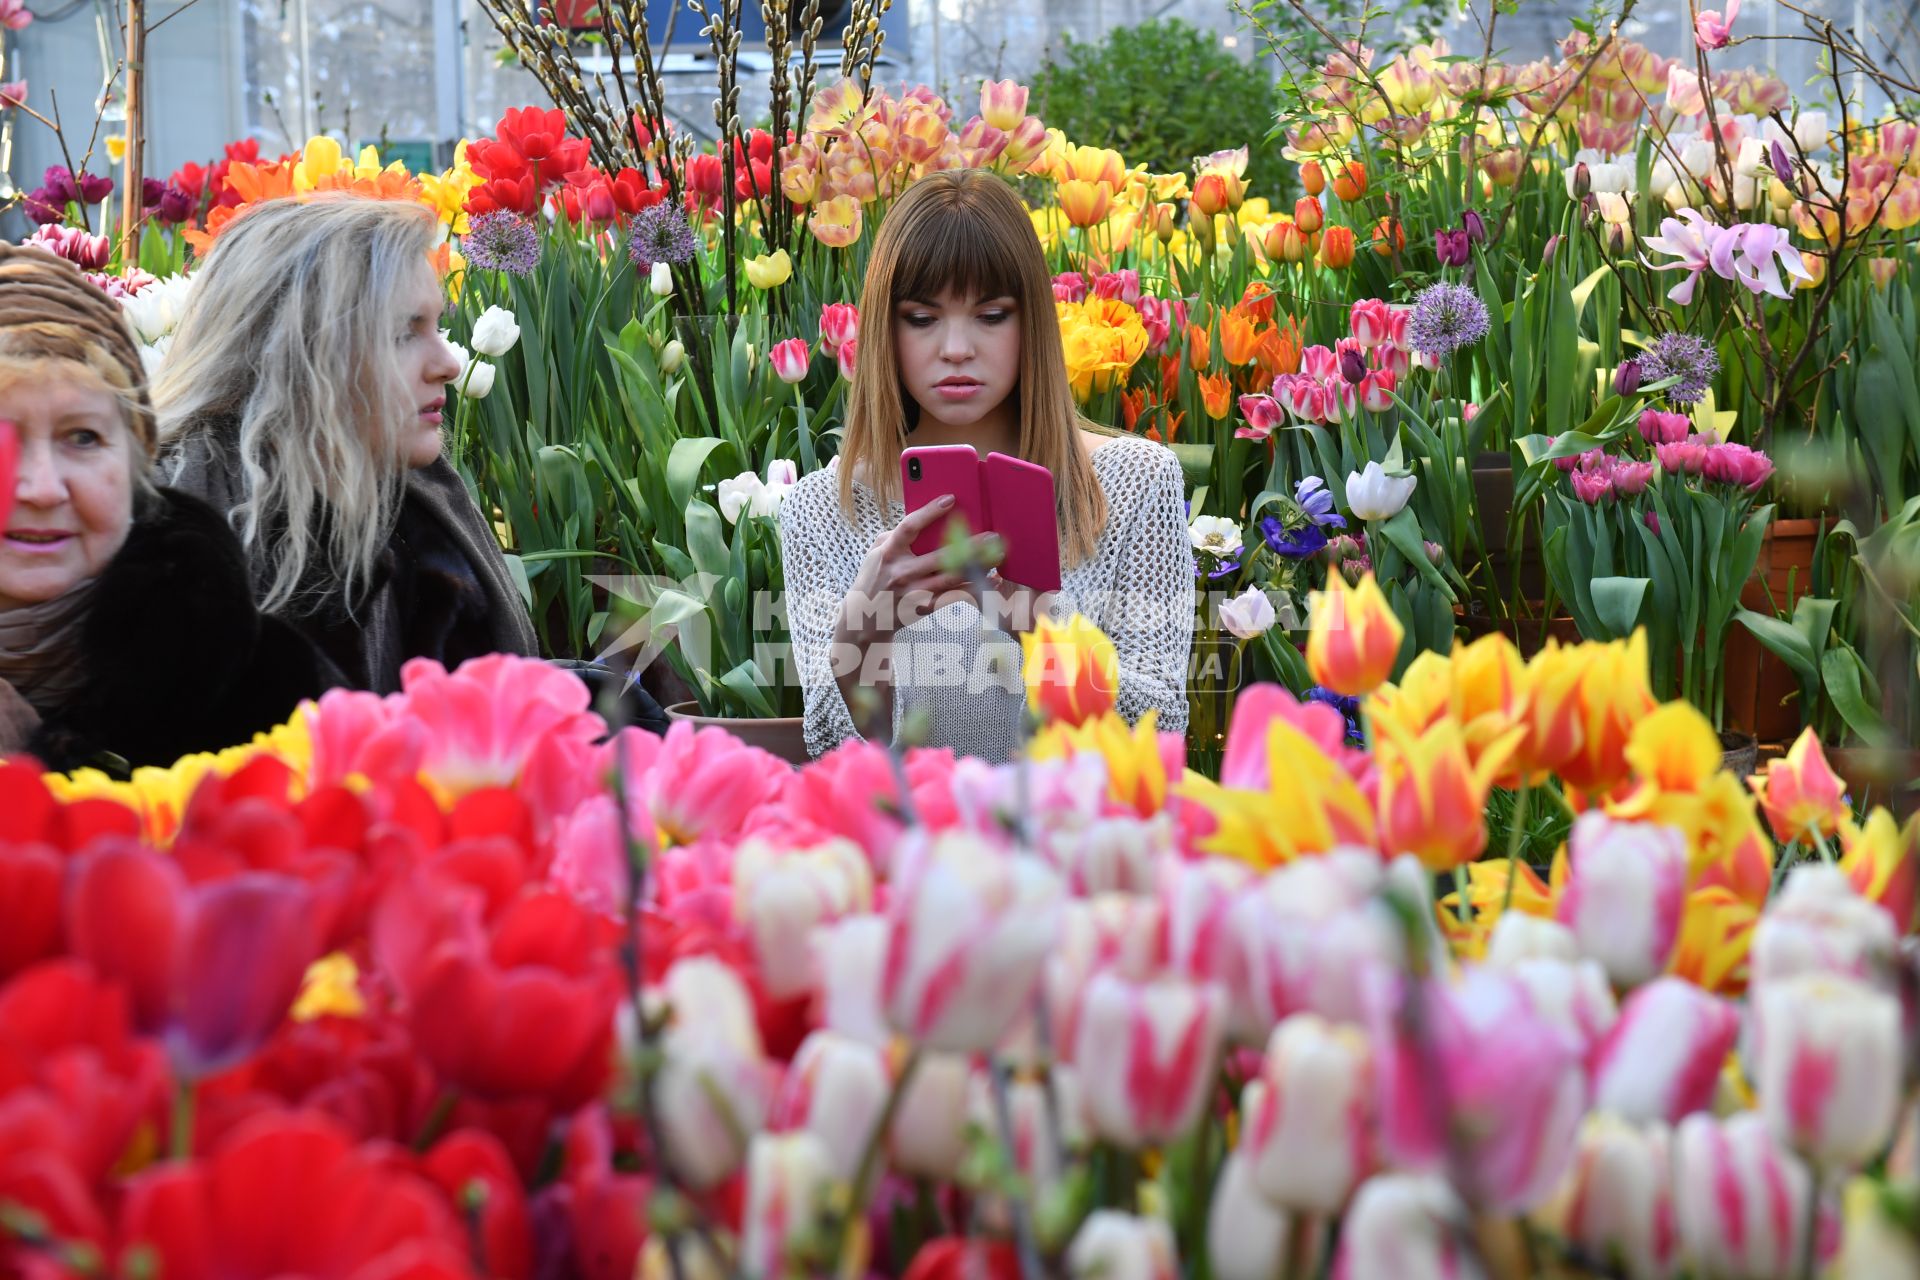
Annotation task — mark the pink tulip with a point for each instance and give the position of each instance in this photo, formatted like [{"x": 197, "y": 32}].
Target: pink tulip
[
  {"x": 1819, "y": 923},
  {"x": 355, "y": 732},
  {"x": 1663, "y": 1058},
  {"x": 1626, "y": 887},
  {"x": 1827, "y": 1057},
  {"x": 590, "y": 858},
  {"x": 1592, "y": 485},
  {"x": 845, "y": 356},
  {"x": 1195, "y": 903},
  {"x": 1630, "y": 479},
  {"x": 1123, "y": 284},
  {"x": 781, "y": 897},
  {"x": 1688, "y": 457},
  {"x": 790, "y": 359},
  {"x": 835, "y": 1089},
  {"x": 1322, "y": 364},
  {"x": 1617, "y": 1199},
  {"x": 1376, "y": 391},
  {"x": 1342, "y": 399},
  {"x": 1069, "y": 286},
  {"x": 1310, "y": 1142},
  {"x": 1003, "y": 103},
  {"x": 1393, "y": 360},
  {"x": 1371, "y": 323},
  {"x": 789, "y": 1177},
  {"x": 703, "y": 782},
  {"x": 1736, "y": 464},
  {"x": 1408, "y": 1227},
  {"x": 1263, "y": 415},
  {"x": 1571, "y": 994},
  {"x": 1157, "y": 315},
  {"x": 968, "y": 928},
  {"x": 714, "y": 1083},
  {"x": 484, "y": 719},
  {"x": 839, "y": 325},
  {"x": 1025, "y": 142},
  {"x": 1488, "y": 1077},
  {"x": 1711, "y": 31},
  {"x": 1664, "y": 428},
  {"x": 1145, "y": 1054},
  {"x": 89, "y": 252},
  {"x": 1740, "y": 1200}
]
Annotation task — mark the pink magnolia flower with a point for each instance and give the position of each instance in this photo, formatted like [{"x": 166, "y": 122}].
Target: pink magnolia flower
[
  {"x": 1827, "y": 1054},
  {"x": 1514, "y": 1085},
  {"x": 1145, "y": 1054},
  {"x": 1662, "y": 1059},
  {"x": 968, "y": 928},
  {"x": 1740, "y": 1199},
  {"x": 485, "y": 718},
  {"x": 1711, "y": 31},
  {"x": 1310, "y": 1141},
  {"x": 1747, "y": 254},
  {"x": 1689, "y": 238},
  {"x": 1626, "y": 887}
]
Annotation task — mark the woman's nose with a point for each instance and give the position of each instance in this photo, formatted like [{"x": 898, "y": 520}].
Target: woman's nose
[
  {"x": 446, "y": 366},
  {"x": 956, "y": 343},
  {"x": 37, "y": 480}
]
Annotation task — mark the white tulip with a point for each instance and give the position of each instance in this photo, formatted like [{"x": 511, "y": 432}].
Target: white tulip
[
  {"x": 1248, "y": 614},
  {"x": 1372, "y": 494},
  {"x": 1810, "y": 130},
  {"x": 476, "y": 380},
  {"x": 156, "y": 309},
  {"x": 783, "y": 471},
  {"x": 738, "y": 494},
  {"x": 671, "y": 356},
  {"x": 662, "y": 280},
  {"x": 1215, "y": 535},
  {"x": 495, "y": 332}
]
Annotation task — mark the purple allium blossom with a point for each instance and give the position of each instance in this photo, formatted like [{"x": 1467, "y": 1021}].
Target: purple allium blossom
[
  {"x": 502, "y": 241},
  {"x": 1445, "y": 318},
  {"x": 660, "y": 234},
  {"x": 1684, "y": 356}
]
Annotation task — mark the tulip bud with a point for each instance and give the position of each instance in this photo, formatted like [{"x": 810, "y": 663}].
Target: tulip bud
[
  {"x": 1350, "y": 181},
  {"x": 495, "y": 332},
  {"x": 1819, "y": 923},
  {"x": 1071, "y": 671},
  {"x": 835, "y": 1089},
  {"x": 714, "y": 1085},
  {"x": 790, "y": 359},
  {"x": 1625, "y": 894},
  {"x": 1353, "y": 367},
  {"x": 846, "y": 355},
  {"x": 671, "y": 356},
  {"x": 1436, "y": 554},
  {"x": 1740, "y": 1200},
  {"x": 1410, "y": 1227},
  {"x": 1111, "y": 1245},
  {"x": 661, "y": 280},
  {"x": 1582, "y": 181},
  {"x": 1475, "y": 227},
  {"x": 1313, "y": 179},
  {"x": 929, "y": 1133},
  {"x": 1308, "y": 215},
  {"x": 1145, "y": 1056},
  {"x": 1285, "y": 242},
  {"x": 1827, "y": 1058},
  {"x": 1309, "y": 1141},
  {"x": 1210, "y": 195},
  {"x": 1782, "y": 166},
  {"x": 1164, "y": 221},
  {"x": 1662, "y": 1058},
  {"x": 1247, "y": 1236},
  {"x": 1617, "y": 1200},
  {"x": 1626, "y": 378},
  {"x": 789, "y": 1176},
  {"x": 1553, "y": 247},
  {"x": 1336, "y": 247}
]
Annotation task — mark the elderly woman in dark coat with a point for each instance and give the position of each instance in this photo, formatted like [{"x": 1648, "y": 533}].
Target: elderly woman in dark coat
[{"x": 128, "y": 633}]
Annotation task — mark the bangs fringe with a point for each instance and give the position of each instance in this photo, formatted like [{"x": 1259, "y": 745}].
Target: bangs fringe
[{"x": 956, "y": 248}]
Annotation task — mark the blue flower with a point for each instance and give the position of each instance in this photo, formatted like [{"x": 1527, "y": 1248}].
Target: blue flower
[
  {"x": 1348, "y": 707},
  {"x": 1294, "y": 544},
  {"x": 1314, "y": 499}
]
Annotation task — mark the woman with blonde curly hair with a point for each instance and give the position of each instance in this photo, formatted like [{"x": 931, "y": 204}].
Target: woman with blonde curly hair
[{"x": 302, "y": 396}]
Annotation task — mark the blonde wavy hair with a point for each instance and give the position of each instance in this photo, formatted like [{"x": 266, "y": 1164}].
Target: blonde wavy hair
[
  {"x": 287, "y": 358},
  {"x": 966, "y": 230}
]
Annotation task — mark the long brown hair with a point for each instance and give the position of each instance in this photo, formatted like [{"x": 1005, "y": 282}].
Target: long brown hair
[{"x": 966, "y": 230}]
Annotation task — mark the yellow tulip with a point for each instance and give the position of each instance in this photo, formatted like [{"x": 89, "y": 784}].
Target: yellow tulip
[
  {"x": 1614, "y": 698},
  {"x": 1093, "y": 164},
  {"x": 1355, "y": 637},
  {"x": 117, "y": 148},
  {"x": 836, "y": 223},
  {"x": 769, "y": 271},
  {"x": 1311, "y": 804},
  {"x": 1084, "y": 203},
  {"x": 1883, "y": 862},
  {"x": 320, "y": 158},
  {"x": 1072, "y": 672}
]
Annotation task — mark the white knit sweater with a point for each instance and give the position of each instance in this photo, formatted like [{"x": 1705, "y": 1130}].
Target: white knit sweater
[{"x": 1138, "y": 587}]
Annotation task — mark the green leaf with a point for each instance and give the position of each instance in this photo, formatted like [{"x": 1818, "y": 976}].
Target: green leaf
[
  {"x": 1784, "y": 641},
  {"x": 1616, "y": 603},
  {"x": 1842, "y": 670},
  {"x": 707, "y": 539},
  {"x": 1403, "y": 531},
  {"x": 684, "y": 465}
]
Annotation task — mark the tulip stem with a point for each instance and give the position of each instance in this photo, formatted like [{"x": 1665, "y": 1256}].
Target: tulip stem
[
  {"x": 182, "y": 1146},
  {"x": 1810, "y": 1226},
  {"x": 869, "y": 1167},
  {"x": 437, "y": 1118},
  {"x": 1513, "y": 844},
  {"x": 1030, "y": 1268}
]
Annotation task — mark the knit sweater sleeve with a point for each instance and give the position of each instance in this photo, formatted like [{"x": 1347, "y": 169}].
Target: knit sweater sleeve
[
  {"x": 1150, "y": 613},
  {"x": 819, "y": 558}
]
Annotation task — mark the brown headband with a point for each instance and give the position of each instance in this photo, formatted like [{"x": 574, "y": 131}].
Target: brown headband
[{"x": 38, "y": 289}]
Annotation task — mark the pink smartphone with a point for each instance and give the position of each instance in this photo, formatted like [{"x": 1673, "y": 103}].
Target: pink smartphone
[
  {"x": 932, "y": 471},
  {"x": 1021, "y": 502}
]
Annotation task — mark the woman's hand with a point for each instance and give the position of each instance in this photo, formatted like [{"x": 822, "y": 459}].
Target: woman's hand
[
  {"x": 895, "y": 587},
  {"x": 1016, "y": 608}
]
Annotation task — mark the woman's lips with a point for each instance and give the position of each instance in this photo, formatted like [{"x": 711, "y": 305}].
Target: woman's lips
[{"x": 38, "y": 541}]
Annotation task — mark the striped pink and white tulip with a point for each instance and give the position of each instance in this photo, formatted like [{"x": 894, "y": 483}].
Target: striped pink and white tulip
[
  {"x": 1663, "y": 1058},
  {"x": 1145, "y": 1053}
]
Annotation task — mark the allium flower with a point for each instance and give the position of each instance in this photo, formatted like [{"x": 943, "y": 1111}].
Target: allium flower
[
  {"x": 1684, "y": 356},
  {"x": 502, "y": 241},
  {"x": 660, "y": 234},
  {"x": 1445, "y": 318}
]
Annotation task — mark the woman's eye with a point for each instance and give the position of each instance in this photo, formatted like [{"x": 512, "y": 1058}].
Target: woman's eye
[
  {"x": 920, "y": 321},
  {"x": 994, "y": 317},
  {"x": 84, "y": 438}
]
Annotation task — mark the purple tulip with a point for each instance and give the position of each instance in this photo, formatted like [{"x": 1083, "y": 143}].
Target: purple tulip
[
  {"x": 58, "y": 184},
  {"x": 1782, "y": 166},
  {"x": 94, "y": 187},
  {"x": 175, "y": 206},
  {"x": 151, "y": 189},
  {"x": 1476, "y": 229},
  {"x": 1582, "y": 180},
  {"x": 1353, "y": 368},
  {"x": 1453, "y": 248},
  {"x": 1553, "y": 247},
  {"x": 1626, "y": 379},
  {"x": 44, "y": 206}
]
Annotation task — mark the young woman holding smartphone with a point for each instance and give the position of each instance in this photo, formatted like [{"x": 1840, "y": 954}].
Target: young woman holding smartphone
[{"x": 960, "y": 345}]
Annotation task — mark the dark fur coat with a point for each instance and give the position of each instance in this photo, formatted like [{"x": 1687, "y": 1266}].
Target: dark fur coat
[{"x": 177, "y": 658}]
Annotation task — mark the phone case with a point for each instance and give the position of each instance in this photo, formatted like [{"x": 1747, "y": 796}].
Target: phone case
[
  {"x": 944, "y": 469},
  {"x": 1021, "y": 502}
]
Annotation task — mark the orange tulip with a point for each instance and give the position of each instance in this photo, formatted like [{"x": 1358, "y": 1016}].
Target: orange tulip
[
  {"x": 1093, "y": 164},
  {"x": 1216, "y": 395},
  {"x": 1085, "y": 204},
  {"x": 1279, "y": 351},
  {"x": 1432, "y": 794},
  {"x": 1164, "y": 221},
  {"x": 1350, "y": 182},
  {"x": 1336, "y": 247},
  {"x": 1355, "y": 637},
  {"x": 1072, "y": 672},
  {"x": 1308, "y": 214},
  {"x": 1285, "y": 242},
  {"x": 1210, "y": 195},
  {"x": 1199, "y": 350},
  {"x": 1239, "y": 337},
  {"x": 1313, "y": 178},
  {"x": 1802, "y": 796},
  {"x": 1389, "y": 237}
]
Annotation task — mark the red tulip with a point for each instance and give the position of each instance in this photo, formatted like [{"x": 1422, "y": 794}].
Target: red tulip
[
  {"x": 211, "y": 967},
  {"x": 957, "y": 1258},
  {"x": 290, "y": 1194},
  {"x": 478, "y": 1178}
]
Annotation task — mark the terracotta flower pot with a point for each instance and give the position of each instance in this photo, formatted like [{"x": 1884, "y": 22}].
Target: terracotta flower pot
[
  {"x": 1492, "y": 503},
  {"x": 1761, "y": 689},
  {"x": 783, "y": 736}
]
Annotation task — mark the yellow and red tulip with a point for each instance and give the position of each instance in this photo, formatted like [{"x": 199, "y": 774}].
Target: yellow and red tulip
[
  {"x": 1614, "y": 698},
  {"x": 1003, "y": 103},
  {"x": 1085, "y": 204},
  {"x": 1355, "y": 638},
  {"x": 1433, "y": 795},
  {"x": 1884, "y": 863},
  {"x": 1803, "y": 797},
  {"x": 1072, "y": 671},
  {"x": 1336, "y": 247}
]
